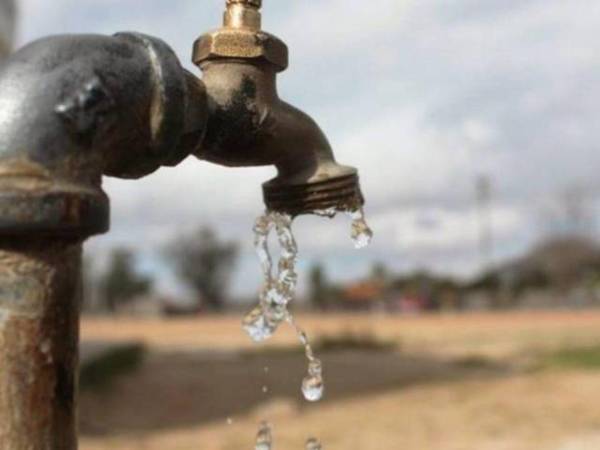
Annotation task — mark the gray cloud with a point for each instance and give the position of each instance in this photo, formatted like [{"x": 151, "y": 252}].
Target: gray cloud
[{"x": 423, "y": 96}]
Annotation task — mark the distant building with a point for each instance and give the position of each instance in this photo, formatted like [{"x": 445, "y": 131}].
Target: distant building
[{"x": 364, "y": 295}]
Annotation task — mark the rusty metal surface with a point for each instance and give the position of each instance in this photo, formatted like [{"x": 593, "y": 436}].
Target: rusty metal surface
[{"x": 39, "y": 309}]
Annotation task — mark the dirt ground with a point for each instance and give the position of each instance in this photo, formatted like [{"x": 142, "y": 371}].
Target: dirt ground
[{"x": 454, "y": 383}]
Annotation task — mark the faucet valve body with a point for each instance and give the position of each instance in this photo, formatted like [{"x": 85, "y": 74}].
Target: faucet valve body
[{"x": 249, "y": 125}]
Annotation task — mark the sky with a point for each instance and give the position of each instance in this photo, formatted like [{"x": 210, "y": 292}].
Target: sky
[{"x": 424, "y": 97}]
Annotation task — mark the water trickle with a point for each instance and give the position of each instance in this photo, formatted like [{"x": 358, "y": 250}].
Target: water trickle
[
  {"x": 279, "y": 289},
  {"x": 313, "y": 444},
  {"x": 264, "y": 438}
]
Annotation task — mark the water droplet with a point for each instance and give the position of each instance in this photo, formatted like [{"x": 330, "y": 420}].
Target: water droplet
[
  {"x": 264, "y": 439},
  {"x": 265, "y": 389},
  {"x": 267, "y": 369},
  {"x": 361, "y": 234},
  {"x": 258, "y": 326},
  {"x": 313, "y": 388},
  {"x": 329, "y": 213},
  {"x": 229, "y": 421},
  {"x": 313, "y": 444}
]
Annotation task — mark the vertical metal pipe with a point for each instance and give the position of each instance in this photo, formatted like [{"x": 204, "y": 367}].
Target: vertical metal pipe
[{"x": 40, "y": 293}]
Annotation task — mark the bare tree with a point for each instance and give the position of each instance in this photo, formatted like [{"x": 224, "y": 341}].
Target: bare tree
[
  {"x": 205, "y": 264},
  {"x": 121, "y": 283}
]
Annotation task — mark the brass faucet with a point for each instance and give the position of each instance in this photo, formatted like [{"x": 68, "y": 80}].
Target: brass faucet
[
  {"x": 74, "y": 108},
  {"x": 249, "y": 125}
]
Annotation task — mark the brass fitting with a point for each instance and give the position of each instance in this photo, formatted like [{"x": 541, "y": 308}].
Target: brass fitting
[
  {"x": 241, "y": 37},
  {"x": 249, "y": 125}
]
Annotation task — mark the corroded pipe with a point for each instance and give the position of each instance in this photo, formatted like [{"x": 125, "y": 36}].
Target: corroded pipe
[
  {"x": 249, "y": 125},
  {"x": 40, "y": 293},
  {"x": 72, "y": 109}
]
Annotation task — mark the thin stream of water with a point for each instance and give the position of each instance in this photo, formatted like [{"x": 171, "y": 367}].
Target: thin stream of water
[{"x": 279, "y": 289}]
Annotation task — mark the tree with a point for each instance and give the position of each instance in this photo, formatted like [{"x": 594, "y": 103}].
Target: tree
[
  {"x": 319, "y": 291},
  {"x": 121, "y": 283},
  {"x": 570, "y": 214},
  {"x": 380, "y": 273},
  {"x": 205, "y": 264}
]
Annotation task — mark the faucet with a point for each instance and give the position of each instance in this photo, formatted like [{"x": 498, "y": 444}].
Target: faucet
[
  {"x": 249, "y": 125},
  {"x": 75, "y": 108}
]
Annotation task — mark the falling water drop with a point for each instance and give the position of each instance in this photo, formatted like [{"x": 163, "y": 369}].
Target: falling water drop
[
  {"x": 264, "y": 439},
  {"x": 313, "y": 386},
  {"x": 361, "y": 233},
  {"x": 229, "y": 421},
  {"x": 329, "y": 213},
  {"x": 313, "y": 444}
]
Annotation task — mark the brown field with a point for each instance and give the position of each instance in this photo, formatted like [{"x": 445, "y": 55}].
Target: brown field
[{"x": 455, "y": 382}]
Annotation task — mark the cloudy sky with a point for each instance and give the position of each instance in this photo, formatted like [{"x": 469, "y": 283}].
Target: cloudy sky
[{"x": 423, "y": 96}]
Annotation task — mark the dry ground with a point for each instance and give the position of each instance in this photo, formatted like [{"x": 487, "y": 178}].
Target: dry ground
[{"x": 458, "y": 383}]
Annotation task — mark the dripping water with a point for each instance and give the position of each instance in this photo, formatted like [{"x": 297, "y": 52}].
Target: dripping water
[
  {"x": 264, "y": 438},
  {"x": 279, "y": 289}
]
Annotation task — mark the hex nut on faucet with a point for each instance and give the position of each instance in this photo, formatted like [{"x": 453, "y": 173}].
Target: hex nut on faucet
[{"x": 245, "y": 44}]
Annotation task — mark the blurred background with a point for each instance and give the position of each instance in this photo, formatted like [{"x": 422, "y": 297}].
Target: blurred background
[{"x": 471, "y": 322}]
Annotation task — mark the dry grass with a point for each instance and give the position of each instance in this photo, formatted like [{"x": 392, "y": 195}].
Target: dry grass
[{"x": 431, "y": 397}]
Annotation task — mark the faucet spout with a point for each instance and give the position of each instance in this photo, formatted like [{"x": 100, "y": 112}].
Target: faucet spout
[{"x": 249, "y": 125}]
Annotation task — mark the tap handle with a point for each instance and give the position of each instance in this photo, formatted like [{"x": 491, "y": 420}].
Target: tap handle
[{"x": 257, "y": 4}]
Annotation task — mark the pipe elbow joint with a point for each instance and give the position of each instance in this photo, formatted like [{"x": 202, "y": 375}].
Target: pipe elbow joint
[{"x": 75, "y": 108}]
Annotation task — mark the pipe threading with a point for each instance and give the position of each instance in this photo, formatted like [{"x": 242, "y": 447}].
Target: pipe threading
[{"x": 341, "y": 194}]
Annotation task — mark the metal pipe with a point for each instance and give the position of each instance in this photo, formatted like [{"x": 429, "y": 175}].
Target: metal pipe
[
  {"x": 72, "y": 108},
  {"x": 40, "y": 292}
]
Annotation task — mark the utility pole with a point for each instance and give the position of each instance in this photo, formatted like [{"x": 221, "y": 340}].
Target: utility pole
[{"x": 485, "y": 225}]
